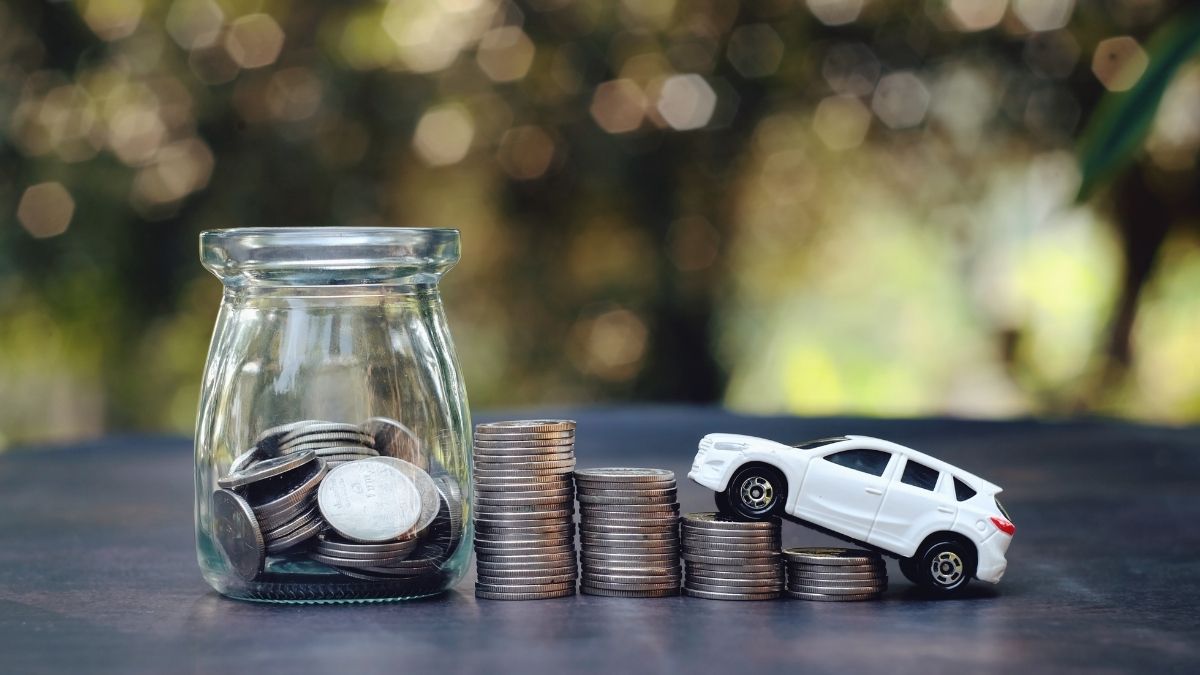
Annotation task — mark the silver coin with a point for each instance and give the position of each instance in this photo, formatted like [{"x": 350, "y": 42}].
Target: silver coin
[
  {"x": 709, "y": 595},
  {"x": 717, "y": 549},
  {"x": 269, "y": 440},
  {"x": 296, "y": 537},
  {"x": 595, "y": 576},
  {"x": 301, "y": 519},
  {"x": 560, "y": 480},
  {"x": 723, "y": 559},
  {"x": 835, "y": 576},
  {"x": 769, "y": 568},
  {"x": 298, "y": 493},
  {"x": 524, "y": 461},
  {"x": 525, "y": 426},
  {"x": 634, "y": 528},
  {"x": 355, "y": 562},
  {"x": 309, "y": 428},
  {"x": 517, "y": 548},
  {"x": 482, "y": 443},
  {"x": 540, "y": 595},
  {"x": 354, "y": 437},
  {"x": 548, "y": 568},
  {"x": 629, "y": 490},
  {"x": 394, "y": 439},
  {"x": 632, "y": 533},
  {"x": 430, "y": 497},
  {"x": 625, "y": 474},
  {"x": 734, "y": 576},
  {"x": 661, "y": 574},
  {"x": 326, "y": 449},
  {"x": 268, "y": 468},
  {"x": 647, "y": 586},
  {"x": 525, "y": 579},
  {"x": 826, "y": 597},
  {"x": 831, "y": 556},
  {"x": 610, "y": 539},
  {"x": 519, "y": 472},
  {"x": 643, "y": 520},
  {"x": 716, "y": 521},
  {"x": 619, "y": 510},
  {"x": 536, "y": 527},
  {"x": 877, "y": 566},
  {"x": 702, "y": 540},
  {"x": 505, "y": 519},
  {"x": 401, "y": 552},
  {"x": 591, "y": 558},
  {"x": 734, "y": 585},
  {"x": 833, "y": 587},
  {"x": 545, "y": 558},
  {"x": 370, "y": 500},
  {"x": 238, "y": 534},
  {"x": 274, "y": 520},
  {"x": 523, "y": 436},
  {"x": 524, "y": 494},
  {"x": 593, "y": 500},
  {"x": 334, "y": 543},
  {"x": 624, "y": 593}
]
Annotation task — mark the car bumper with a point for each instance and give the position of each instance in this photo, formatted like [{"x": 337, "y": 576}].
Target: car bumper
[
  {"x": 707, "y": 475},
  {"x": 992, "y": 561}
]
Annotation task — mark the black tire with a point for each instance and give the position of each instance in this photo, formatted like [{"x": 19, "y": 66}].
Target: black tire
[
  {"x": 723, "y": 505},
  {"x": 911, "y": 570},
  {"x": 756, "y": 492},
  {"x": 944, "y": 565}
]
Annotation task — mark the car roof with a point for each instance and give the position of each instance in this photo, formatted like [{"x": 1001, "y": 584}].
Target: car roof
[{"x": 979, "y": 484}]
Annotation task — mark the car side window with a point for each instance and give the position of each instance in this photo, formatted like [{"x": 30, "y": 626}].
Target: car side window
[
  {"x": 919, "y": 475},
  {"x": 868, "y": 461},
  {"x": 962, "y": 491}
]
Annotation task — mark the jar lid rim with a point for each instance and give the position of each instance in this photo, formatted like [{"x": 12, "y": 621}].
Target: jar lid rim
[{"x": 341, "y": 254}]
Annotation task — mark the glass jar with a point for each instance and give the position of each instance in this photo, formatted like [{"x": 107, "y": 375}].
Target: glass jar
[{"x": 333, "y": 455}]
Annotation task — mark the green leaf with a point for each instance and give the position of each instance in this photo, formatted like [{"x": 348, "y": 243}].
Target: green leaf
[{"x": 1122, "y": 119}]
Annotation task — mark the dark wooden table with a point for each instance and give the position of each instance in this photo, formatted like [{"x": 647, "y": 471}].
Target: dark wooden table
[{"x": 98, "y": 571}]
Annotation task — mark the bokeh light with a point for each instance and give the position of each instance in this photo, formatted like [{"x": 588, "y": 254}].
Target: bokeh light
[
  {"x": 45, "y": 209},
  {"x": 1119, "y": 63},
  {"x": 686, "y": 102},
  {"x": 444, "y": 135}
]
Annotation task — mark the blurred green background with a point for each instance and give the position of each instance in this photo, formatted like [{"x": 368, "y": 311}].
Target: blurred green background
[{"x": 968, "y": 207}]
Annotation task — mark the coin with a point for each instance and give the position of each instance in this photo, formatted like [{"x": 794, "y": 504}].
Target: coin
[
  {"x": 831, "y": 556},
  {"x": 526, "y": 579},
  {"x": 493, "y": 493},
  {"x": 295, "y": 494},
  {"x": 510, "y": 549},
  {"x": 742, "y": 565},
  {"x": 269, "y": 440},
  {"x": 525, "y": 436},
  {"x": 268, "y": 468},
  {"x": 709, "y": 595},
  {"x": 537, "y": 595},
  {"x": 644, "y": 520},
  {"x": 825, "y": 597},
  {"x": 370, "y": 501},
  {"x": 615, "y": 510},
  {"x": 316, "y": 427},
  {"x": 486, "y": 459},
  {"x": 647, "y": 535},
  {"x": 623, "y": 593},
  {"x": 716, "y": 521},
  {"x": 327, "y": 449},
  {"x": 238, "y": 534},
  {"x": 718, "y": 549},
  {"x": 326, "y": 439},
  {"x": 734, "y": 574},
  {"x": 297, "y": 536},
  {"x": 526, "y": 426},
  {"x": 274, "y": 520},
  {"x": 556, "y": 480},
  {"x": 430, "y": 497},
  {"x": 299, "y": 520},
  {"x": 394, "y": 439},
  {"x": 726, "y": 587},
  {"x": 550, "y": 444},
  {"x": 548, "y": 558},
  {"x": 834, "y": 576},
  {"x": 332, "y": 543},
  {"x": 716, "y": 560},
  {"x": 625, "y": 475}
]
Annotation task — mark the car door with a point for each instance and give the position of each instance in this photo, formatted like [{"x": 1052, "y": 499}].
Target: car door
[
  {"x": 917, "y": 503},
  {"x": 843, "y": 490}
]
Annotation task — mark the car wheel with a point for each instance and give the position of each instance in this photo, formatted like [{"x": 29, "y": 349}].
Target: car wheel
[
  {"x": 911, "y": 569},
  {"x": 755, "y": 492},
  {"x": 723, "y": 504},
  {"x": 944, "y": 566}
]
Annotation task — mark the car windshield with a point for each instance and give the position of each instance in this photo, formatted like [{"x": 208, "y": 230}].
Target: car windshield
[{"x": 809, "y": 445}]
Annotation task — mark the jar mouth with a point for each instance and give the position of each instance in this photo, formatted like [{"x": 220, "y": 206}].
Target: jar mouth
[{"x": 320, "y": 256}]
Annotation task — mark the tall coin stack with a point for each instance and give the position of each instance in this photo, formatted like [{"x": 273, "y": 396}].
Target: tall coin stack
[
  {"x": 525, "y": 508},
  {"x": 628, "y": 532},
  {"x": 732, "y": 560},
  {"x": 835, "y": 574}
]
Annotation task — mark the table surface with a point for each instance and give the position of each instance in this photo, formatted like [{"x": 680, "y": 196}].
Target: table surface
[{"x": 98, "y": 570}]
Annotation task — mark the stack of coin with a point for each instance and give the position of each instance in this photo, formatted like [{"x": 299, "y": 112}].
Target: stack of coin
[
  {"x": 266, "y": 508},
  {"x": 730, "y": 559},
  {"x": 524, "y": 508},
  {"x": 835, "y": 574},
  {"x": 628, "y": 532}
]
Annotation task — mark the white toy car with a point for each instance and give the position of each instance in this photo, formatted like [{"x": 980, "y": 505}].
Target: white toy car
[{"x": 944, "y": 524}]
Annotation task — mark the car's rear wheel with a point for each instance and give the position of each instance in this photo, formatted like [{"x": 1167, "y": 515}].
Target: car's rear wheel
[
  {"x": 944, "y": 566},
  {"x": 911, "y": 570},
  {"x": 755, "y": 492}
]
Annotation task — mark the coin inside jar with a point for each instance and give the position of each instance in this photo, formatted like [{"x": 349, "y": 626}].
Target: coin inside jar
[{"x": 370, "y": 501}]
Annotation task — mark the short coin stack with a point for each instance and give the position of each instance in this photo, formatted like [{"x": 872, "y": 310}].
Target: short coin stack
[
  {"x": 835, "y": 574},
  {"x": 525, "y": 508},
  {"x": 628, "y": 532},
  {"x": 731, "y": 560}
]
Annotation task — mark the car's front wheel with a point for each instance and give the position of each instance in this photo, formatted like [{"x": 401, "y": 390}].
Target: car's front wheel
[
  {"x": 943, "y": 566},
  {"x": 755, "y": 492}
]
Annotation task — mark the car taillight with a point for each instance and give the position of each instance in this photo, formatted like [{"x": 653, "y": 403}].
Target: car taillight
[{"x": 1004, "y": 525}]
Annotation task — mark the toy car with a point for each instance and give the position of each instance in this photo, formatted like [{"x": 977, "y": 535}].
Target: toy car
[{"x": 945, "y": 525}]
